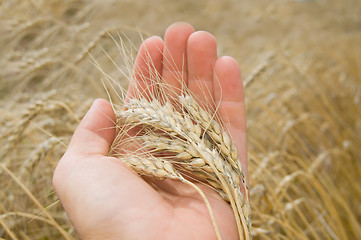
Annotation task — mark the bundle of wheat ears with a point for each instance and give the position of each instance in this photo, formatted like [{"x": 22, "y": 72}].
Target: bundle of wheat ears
[{"x": 169, "y": 137}]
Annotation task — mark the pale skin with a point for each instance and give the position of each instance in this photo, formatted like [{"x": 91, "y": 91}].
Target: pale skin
[{"x": 106, "y": 200}]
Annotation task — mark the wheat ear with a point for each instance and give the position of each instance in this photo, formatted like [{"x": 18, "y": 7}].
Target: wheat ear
[
  {"x": 199, "y": 144},
  {"x": 165, "y": 118}
]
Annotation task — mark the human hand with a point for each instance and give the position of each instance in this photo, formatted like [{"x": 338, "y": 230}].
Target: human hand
[{"x": 106, "y": 200}]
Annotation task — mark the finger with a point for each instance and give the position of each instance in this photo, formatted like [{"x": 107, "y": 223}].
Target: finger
[
  {"x": 95, "y": 132},
  {"x": 147, "y": 69},
  {"x": 201, "y": 55},
  {"x": 174, "y": 70},
  {"x": 229, "y": 98}
]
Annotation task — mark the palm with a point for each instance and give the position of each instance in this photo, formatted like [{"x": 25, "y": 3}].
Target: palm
[
  {"x": 143, "y": 212},
  {"x": 104, "y": 199}
]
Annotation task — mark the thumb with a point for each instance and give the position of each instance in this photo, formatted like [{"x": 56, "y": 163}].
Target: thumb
[{"x": 95, "y": 132}]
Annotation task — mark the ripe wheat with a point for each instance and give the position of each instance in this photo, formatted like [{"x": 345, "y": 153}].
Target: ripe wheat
[{"x": 181, "y": 137}]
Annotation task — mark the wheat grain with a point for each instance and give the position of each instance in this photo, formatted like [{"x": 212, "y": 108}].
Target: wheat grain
[{"x": 153, "y": 167}]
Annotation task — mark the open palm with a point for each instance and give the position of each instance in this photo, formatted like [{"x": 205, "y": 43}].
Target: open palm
[{"x": 106, "y": 200}]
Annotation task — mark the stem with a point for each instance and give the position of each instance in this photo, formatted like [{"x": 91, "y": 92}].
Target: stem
[{"x": 213, "y": 219}]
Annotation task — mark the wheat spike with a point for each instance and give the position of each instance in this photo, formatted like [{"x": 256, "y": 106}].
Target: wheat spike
[
  {"x": 196, "y": 142},
  {"x": 219, "y": 136}
]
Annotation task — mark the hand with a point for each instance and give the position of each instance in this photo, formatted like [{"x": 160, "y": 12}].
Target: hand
[{"x": 106, "y": 200}]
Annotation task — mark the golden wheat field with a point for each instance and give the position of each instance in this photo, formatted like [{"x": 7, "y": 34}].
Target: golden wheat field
[{"x": 301, "y": 65}]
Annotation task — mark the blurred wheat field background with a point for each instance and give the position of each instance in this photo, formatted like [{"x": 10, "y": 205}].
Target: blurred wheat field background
[{"x": 301, "y": 64}]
